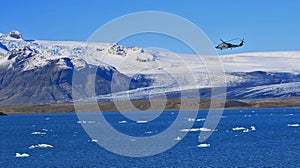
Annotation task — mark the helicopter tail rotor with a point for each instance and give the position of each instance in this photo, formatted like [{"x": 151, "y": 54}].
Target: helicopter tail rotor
[{"x": 242, "y": 42}]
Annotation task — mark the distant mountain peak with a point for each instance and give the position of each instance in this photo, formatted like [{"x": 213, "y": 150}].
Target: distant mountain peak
[
  {"x": 15, "y": 34},
  {"x": 123, "y": 51}
]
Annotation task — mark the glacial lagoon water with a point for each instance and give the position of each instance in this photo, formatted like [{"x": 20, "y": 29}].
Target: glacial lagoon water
[{"x": 243, "y": 138}]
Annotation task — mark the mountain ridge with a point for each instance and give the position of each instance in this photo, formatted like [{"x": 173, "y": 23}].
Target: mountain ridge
[{"x": 40, "y": 72}]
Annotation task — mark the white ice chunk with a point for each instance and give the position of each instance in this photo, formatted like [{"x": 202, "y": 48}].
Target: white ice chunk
[
  {"x": 204, "y": 145},
  {"x": 141, "y": 122},
  {"x": 294, "y": 125},
  {"x": 239, "y": 128},
  {"x": 41, "y": 146},
  {"x": 22, "y": 155}
]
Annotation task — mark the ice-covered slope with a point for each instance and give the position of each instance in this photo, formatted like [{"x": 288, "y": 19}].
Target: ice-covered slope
[
  {"x": 267, "y": 91},
  {"x": 246, "y": 62},
  {"x": 287, "y": 61},
  {"x": 244, "y": 72}
]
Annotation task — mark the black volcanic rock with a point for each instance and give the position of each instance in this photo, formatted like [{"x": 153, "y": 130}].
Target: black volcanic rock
[{"x": 2, "y": 114}]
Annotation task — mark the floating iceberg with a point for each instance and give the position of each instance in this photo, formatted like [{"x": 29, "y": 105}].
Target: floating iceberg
[
  {"x": 81, "y": 122},
  {"x": 41, "y": 146},
  {"x": 38, "y": 133},
  {"x": 94, "y": 140},
  {"x": 22, "y": 155},
  {"x": 194, "y": 129},
  {"x": 246, "y": 130},
  {"x": 122, "y": 122},
  {"x": 190, "y": 130},
  {"x": 239, "y": 128},
  {"x": 141, "y": 122},
  {"x": 197, "y": 129},
  {"x": 204, "y": 145},
  {"x": 206, "y": 129},
  {"x": 86, "y": 122},
  {"x": 177, "y": 138},
  {"x": 253, "y": 128},
  {"x": 191, "y": 119},
  {"x": 200, "y": 119},
  {"x": 149, "y": 132}
]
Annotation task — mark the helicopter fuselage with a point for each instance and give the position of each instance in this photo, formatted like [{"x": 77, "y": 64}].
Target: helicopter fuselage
[{"x": 226, "y": 45}]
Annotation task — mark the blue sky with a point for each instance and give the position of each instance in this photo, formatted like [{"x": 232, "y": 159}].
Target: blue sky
[{"x": 265, "y": 25}]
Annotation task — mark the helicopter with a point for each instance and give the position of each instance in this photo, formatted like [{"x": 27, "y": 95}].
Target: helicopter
[{"x": 226, "y": 44}]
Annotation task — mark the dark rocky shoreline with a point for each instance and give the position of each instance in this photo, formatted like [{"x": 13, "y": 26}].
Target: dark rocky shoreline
[{"x": 172, "y": 104}]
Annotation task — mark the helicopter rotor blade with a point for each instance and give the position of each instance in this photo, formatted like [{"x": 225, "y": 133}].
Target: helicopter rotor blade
[{"x": 233, "y": 39}]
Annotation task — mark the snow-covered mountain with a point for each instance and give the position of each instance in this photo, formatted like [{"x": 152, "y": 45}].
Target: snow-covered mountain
[{"x": 34, "y": 71}]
